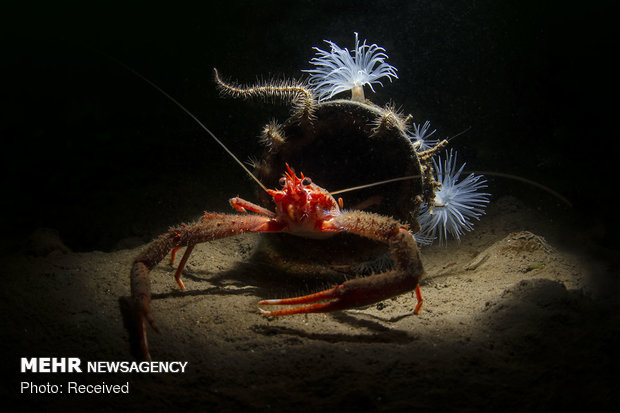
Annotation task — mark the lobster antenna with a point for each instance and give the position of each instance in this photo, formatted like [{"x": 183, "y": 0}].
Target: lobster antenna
[
  {"x": 499, "y": 174},
  {"x": 191, "y": 115},
  {"x": 460, "y": 133},
  {"x": 387, "y": 181},
  {"x": 527, "y": 181}
]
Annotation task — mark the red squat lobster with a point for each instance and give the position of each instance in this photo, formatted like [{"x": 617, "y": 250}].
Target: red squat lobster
[{"x": 302, "y": 208}]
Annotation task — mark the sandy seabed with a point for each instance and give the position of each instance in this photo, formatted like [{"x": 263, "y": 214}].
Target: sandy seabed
[{"x": 516, "y": 317}]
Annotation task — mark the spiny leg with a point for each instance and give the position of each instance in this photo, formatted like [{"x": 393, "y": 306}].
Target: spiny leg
[
  {"x": 216, "y": 227},
  {"x": 173, "y": 254},
  {"x": 369, "y": 290},
  {"x": 240, "y": 205},
  {"x": 418, "y": 295}
]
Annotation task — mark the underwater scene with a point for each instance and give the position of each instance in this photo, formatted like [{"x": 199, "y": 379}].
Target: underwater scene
[{"x": 313, "y": 205}]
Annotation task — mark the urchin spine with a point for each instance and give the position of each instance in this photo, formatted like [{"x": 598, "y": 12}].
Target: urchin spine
[
  {"x": 297, "y": 93},
  {"x": 273, "y": 135},
  {"x": 389, "y": 121}
]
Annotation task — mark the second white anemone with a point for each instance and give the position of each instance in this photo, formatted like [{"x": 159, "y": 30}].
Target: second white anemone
[
  {"x": 339, "y": 70},
  {"x": 456, "y": 203},
  {"x": 420, "y": 137}
]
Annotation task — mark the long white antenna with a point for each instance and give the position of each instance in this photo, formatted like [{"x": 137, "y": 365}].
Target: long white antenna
[
  {"x": 191, "y": 115},
  {"x": 499, "y": 174},
  {"x": 387, "y": 181},
  {"x": 527, "y": 181},
  {"x": 460, "y": 133}
]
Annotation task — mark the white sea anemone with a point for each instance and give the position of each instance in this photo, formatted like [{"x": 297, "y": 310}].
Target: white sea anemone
[
  {"x": 420, "y": 139},
  {"x": 339, "y": 70},
  {"x": 456, "y": 203}
]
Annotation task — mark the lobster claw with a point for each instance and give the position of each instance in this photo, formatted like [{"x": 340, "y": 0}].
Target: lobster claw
[{"x": 339, "y": 297}]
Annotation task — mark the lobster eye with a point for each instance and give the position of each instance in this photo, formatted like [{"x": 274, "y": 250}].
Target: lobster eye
[
  {"x": 306, "y": 181},
  {"x": 282, "y": 182}
]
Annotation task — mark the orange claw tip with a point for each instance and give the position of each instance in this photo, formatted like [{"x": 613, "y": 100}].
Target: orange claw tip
[
  {"x": 330, "y": 294},
  {"x": 311, "y": 308},
  {"x": 281, "y": 312},
  {"x": 270, "y": 302},
  {"x": 277, "y": 313}
]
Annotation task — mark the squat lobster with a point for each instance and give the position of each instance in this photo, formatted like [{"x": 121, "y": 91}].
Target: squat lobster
[{"x": 305, "y": 209}]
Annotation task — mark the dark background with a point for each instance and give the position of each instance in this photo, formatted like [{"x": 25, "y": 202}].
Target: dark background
[
  {"x": 94, "y": 152},
  {"x": 97, "y": 154}
]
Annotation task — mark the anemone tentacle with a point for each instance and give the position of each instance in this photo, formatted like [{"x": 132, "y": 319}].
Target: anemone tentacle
[
  {"x": 339, "y": 70},
  {"x": 420, "y": 137},
  {"x": 456, "y": 202}
]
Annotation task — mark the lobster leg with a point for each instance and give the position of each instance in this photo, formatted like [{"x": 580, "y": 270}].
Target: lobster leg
[
  {"x": 358, "y": 292},
  {"x": 210, "y": 227},
  {"x": 179, "y": 271},
  {"x": 240, "y": 205}
]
